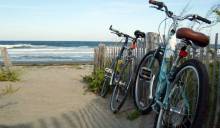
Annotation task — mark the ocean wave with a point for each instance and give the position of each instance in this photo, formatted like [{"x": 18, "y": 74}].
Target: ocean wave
[
  {"x": 22, "y": 46},
  {"x": 30, "y": 46},
  {"x": 51, "y": 51}
]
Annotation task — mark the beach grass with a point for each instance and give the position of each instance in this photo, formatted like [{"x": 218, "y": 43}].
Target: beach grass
[
  {"x": 94, "y": 80},
  {"x": 9, "y": 75},
  {"x": 77, "y": 66}
]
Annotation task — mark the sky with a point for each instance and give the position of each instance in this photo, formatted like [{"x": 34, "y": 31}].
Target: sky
[{"x": 86, "y": 19}]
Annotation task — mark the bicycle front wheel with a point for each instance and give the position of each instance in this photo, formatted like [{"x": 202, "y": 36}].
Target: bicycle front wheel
[
  {"x": 122, "y": 84},
  {"x": 105, "y": 87},
  {"x": 144, "y": 88},
  {"x": 188, "y": 99}
]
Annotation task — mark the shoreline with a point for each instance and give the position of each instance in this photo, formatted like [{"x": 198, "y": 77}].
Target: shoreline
[{"x": 52, "y": 63}]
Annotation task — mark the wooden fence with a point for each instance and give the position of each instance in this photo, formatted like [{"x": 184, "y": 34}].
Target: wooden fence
[
  {"x": 210, "y": 56},
  {"x": 5, "y": 57}
]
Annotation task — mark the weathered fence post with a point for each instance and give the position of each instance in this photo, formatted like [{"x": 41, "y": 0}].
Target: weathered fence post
[
  {"x": 201, "y": 54},
  {"x": 102, "y": 51},
  {"x": 152, "y": 39},
  {"x": 6, "y": 61},
  {"x": 213, "y": 92},
  {"x": 217, "y": 112},
  {"x": 207, "y": 57},
  {"x": 95, "y": 59}
]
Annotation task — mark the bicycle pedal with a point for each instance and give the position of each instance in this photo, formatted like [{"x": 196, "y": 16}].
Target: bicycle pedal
[
  {"x": 146, "y": 73},
  {"x": 121, "y": 83},
  {"x": 108, "y": 70},
  {"x": 107, "y": 76}
]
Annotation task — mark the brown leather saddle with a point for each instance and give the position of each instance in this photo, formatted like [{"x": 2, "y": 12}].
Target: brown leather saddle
[{"x": 197, "y": 38}]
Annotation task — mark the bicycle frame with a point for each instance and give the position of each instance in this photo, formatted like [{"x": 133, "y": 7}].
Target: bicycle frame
[
  {"x": 166, "y": 73},
  {"x": 119, "y": 56}
]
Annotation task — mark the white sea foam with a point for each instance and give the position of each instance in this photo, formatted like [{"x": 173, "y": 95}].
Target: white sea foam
[
  {"x": 29, "y": 52},
  {"x": 23, "y": 46}
]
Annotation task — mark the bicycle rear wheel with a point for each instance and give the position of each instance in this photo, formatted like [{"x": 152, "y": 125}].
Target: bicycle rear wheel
[
  {"x": 122, "y": 84},
  {"x": 188, "y": 99}
]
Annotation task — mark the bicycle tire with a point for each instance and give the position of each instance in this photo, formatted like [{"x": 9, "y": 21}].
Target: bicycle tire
[
  {"x": 200, "y": 115},
  {"x": 105, "y": 88},
  {"x": 117, "y": 88},
  {"x": 105, "y": 85},
  {"x": 158, "y": 58}
]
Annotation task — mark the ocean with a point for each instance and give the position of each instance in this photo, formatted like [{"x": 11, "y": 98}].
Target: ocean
[{"x": 50, "y": 51}]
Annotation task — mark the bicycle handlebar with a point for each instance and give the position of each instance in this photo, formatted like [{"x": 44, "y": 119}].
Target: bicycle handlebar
[
  {"x": 157, "y": 3},
  {"x": 120, "y": 34},
  {"x": 203, "y": 19},
  {"x": 161, "y": 5}
]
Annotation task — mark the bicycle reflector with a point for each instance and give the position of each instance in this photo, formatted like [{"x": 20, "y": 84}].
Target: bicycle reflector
[
  {"x": 133, "y": 45},
  {"x": 183, "y": 53}
]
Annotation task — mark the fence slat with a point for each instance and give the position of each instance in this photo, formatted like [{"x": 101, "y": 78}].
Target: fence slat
[
  {"x": 5, "y": 57},
  {"x": 217, "y": 112}
]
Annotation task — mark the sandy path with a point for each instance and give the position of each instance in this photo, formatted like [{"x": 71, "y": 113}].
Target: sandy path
[
  {"x": 54, "y": 97},
  {"x": 44, "y": 91}
]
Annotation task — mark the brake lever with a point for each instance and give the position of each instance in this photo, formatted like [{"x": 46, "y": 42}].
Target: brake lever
[
  {"x": 114, "y": 33},
  {"x": 153, "y": 7},
  {"x": 195, "y": 20}
]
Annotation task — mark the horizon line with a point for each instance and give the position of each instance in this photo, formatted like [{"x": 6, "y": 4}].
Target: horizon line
[{"x": 62, "y": 40}]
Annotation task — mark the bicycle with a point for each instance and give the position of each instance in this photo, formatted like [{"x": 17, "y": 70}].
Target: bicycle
[
  {"x": 120, "y": 73},
  {"x": 172, "y": 91}
]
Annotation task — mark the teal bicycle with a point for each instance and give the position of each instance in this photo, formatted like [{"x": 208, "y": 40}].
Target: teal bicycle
[{"x": 176, "y": 90}]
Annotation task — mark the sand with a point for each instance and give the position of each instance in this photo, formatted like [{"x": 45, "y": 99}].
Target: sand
[
  {"x": 56, "y": 97},
  {"x": 44, "y": 91}
]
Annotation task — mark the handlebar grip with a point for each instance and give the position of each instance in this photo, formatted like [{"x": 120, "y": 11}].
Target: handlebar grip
[
  {"x": 154, "y": 2},
  {"x": 114, "y": 30},
  {"x": 203, "y": 19},
  {"x": 110, "y": 28}
]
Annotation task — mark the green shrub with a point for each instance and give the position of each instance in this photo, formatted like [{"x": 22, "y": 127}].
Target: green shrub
[
  {"x": 95, "y": 80},
  {"x": 9, "y": 75},
  {"x": 133, "y": 115}
]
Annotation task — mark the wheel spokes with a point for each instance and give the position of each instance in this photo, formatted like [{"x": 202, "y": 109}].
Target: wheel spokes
[{"x": 183, "y": 102}]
